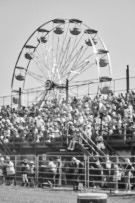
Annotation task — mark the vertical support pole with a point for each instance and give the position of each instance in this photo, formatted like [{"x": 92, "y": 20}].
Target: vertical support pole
[
  {"x": 11, "y": 102},
  {"x": 20, "y": 93},
  {"x": 88, "y": 89},
  {"x": 37, "y": 165},
  {"x": 117, "y": 170},
  {"x": 27, "y": 98},
  {"x": 67, "y": 83},
  {"x": 127, "y": 78},
  {"x": 3, "y": 100},
  {"x": 60, "y": 173},
  {"x": 114, "y": 86},
  {"x": 77, "y": 91},
  {"x": 86, "y": 172},
  {"x": 16, "y": 169}
]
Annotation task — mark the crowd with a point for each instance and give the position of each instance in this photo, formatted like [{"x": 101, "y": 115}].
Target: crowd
[{"x": 101, "y": 116}]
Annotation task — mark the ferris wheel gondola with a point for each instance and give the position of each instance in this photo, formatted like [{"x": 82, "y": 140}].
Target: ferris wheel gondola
[{"x": 61, "y": 50}]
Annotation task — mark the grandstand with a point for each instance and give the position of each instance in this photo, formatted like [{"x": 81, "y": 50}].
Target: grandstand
[
  {"x": 95, "y": 124},
  {"x": 68, "y": 116}
]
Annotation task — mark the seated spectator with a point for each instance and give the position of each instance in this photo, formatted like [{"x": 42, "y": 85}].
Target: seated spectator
[{"x": 75, "y": 139}]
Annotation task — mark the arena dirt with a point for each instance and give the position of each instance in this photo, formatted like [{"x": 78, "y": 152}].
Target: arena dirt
[{"x": 29, "y": 195}]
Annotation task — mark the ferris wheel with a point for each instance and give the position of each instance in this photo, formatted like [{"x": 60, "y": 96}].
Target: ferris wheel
[{"x": 61, "y": 52}]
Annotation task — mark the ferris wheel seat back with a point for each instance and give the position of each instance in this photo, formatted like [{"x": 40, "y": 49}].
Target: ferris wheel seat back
[
  {"x": 103, "y": 62},
  {"x": 58, "y": 30},
  {"x": 105, "y": 79},
  {"x": 28, "y": 56},
  {"x": 75, "y": 21},
  {"x": 20, "y": 77},
  {"x": 75, "y": 31},
  {"x": 89, "y": 43},
  {"x": 90, "y": 31},
  {"x": 102, "y": 51},
  {"x": 42, "y": 39},
  {"x": 59, "y": 21},
  {"x": 106, "y": 90}
]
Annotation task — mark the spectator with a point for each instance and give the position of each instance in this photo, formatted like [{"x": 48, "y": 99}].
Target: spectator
[
  {"x": 78, "y": 172},
  {"x": 10, "y": 171},
  {"x": 128, "y": 174},
  {"x": 25, "y": 170},
  {"x": 31, "y": 174},
  {"x": 1, "y": 170}
]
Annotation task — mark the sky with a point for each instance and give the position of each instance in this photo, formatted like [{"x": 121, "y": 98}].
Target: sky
[{"x": 114, "y": 20}]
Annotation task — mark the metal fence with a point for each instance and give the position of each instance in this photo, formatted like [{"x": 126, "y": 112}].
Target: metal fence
[
  {"x": 94, "y": 172},
  {"x": 117, "y": 86}
]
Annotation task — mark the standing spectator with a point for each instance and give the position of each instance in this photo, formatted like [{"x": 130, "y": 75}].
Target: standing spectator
[
  {"x": 52, "y": 171},
  {"x": 1, "y": 170},
  {"x": 108, "y": 170},
  {"x": 25, "y": 170},
  {"x": 78, "y": 172},
  {"x": 31, "y": 174},
  {"x": 128, "y": 174},
  {"x": 10, "y": 171}
]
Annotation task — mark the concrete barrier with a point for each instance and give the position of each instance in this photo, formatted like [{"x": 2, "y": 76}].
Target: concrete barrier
[{"x": 92, "y": 198}]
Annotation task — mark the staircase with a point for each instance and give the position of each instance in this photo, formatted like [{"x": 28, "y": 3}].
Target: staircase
[{"x": 89, "y": 148}]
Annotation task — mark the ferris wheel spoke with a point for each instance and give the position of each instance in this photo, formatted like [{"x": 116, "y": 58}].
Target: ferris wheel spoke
[
  {"x": 37, "y": 77},
  {"x": 85, "y": 60},
  {"x": 43, "y": 63},
  {"x": 40, "y": 59},
  {"x": 75, "y": 72},
  {"x": 57, "y": 48},
  {"x": 65, "y": 55},
  {"x": 72, "y": 53},
  {"x": 74, "y": 60},
  {"x": 45, "y": 53},
  {"x": 81, "y": 57},
  {"x": 83, "y": 68},
  {"x": 78, "y": 64},
  {"x": 61, "y": 50},
  {"x": 37, "y": 97}
]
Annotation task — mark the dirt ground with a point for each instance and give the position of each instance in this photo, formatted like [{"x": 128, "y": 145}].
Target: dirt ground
[{"x": 29, "y": 195}]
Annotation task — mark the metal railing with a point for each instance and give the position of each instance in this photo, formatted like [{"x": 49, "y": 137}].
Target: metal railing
[
  {"x": 117, "y": 86},
  {"x": 93, "y": 173}
]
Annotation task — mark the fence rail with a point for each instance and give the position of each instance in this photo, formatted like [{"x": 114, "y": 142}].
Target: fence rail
[
  {"x": 80, "y": 172},
  {"x": 117, "y": 85}
]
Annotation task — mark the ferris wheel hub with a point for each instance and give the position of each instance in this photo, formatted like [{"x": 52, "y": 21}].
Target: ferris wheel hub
[{"x": 49, "y": 85}]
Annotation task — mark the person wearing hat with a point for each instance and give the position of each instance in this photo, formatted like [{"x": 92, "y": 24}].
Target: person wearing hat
[
  {"x": 78, "y": 175},
  {"x": 25, "y": 170}
]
